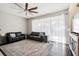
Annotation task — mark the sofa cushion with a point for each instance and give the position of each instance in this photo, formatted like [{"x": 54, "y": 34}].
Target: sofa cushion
[
  {"x": 12, "y": 35},
  {"x": 41, "y": 34},
  {"x": 35, "y": 33},
  {"x": 35, "y": 36},
  {"x": 18, "y": 34}
]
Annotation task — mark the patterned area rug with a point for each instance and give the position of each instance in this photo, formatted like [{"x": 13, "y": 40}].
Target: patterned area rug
[{"x": 26, "y": 48}]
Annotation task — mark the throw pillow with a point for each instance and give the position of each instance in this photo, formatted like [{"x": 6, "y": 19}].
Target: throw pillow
[{"x": 12, "y": 35}]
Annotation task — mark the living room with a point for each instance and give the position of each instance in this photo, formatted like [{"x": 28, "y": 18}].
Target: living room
[{"x": 31, "y": 29}]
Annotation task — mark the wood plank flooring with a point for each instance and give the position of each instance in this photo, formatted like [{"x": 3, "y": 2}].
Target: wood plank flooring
[{"x": 58, "y": 49}]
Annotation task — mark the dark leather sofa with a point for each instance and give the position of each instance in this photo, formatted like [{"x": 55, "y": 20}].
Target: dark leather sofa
[
  {"x": 38, "y": 36},
  {"x": 14, "y": 36}
]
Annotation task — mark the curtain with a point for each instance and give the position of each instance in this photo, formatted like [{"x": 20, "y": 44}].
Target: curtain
[
  {"x": 54, "y": 27},
  {"x": 57, "y": 28}
]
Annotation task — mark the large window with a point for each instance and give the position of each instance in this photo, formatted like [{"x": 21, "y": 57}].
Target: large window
[
  {"x": 54, "y": 27},
  {"x": 75, "y": 23},
  {"x": 41, "y": 25},
  {"x": 57, "y": 28}
]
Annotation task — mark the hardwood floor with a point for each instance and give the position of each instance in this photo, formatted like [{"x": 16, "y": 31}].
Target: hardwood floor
[
  {"x": 58, "y": 49},
  {"x": 53, "y": 48}
]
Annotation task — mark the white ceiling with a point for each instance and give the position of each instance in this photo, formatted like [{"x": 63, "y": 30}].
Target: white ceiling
[{"x": 43, "y": 8}]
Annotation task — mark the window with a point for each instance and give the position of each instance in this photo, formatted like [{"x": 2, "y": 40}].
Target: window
[
  {"x": 54, "y": 27},
  {"x": 41, "y": 25}
]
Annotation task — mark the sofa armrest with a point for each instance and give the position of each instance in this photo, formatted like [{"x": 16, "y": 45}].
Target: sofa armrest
[
  {"x": 44, "y": 38},
  {"x": 22, "y": 34},
  {"x": 28, "y": 36}
]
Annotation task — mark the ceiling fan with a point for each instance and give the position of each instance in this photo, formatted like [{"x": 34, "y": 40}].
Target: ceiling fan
[{"x": 26, "y": 9}]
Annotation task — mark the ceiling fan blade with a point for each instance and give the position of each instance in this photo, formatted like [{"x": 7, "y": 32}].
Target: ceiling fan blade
[
  {"x": 18, "y": 5},
  {"x": 26, "y": 6},
  {"x": 33, "y": 8},
  {"x": 33, "y": 11}
]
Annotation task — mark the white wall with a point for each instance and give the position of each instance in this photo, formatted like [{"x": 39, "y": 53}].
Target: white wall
[
  {"x": 29, "y": 25},
  {"x": 11, "y": 23}
]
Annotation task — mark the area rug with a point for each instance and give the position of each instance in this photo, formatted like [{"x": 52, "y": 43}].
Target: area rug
[{"x": 26, "y": 48}]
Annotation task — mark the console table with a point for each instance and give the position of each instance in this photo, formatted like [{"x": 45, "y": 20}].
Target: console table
[{"x": 74, "y": 44}]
